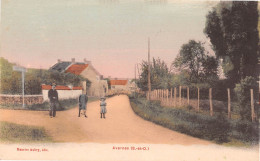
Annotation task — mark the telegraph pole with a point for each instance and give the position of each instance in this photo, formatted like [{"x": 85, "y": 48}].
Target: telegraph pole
[
  {"x": 149, "y": 71},
  {"x": 138, "y": 71},
  {"x": 22, "y": 70},
  {"x": 135, "y": 80}
]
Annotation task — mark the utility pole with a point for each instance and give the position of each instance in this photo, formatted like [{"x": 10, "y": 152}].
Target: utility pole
[
  {"x": 138, "y": 71},
  {"x": 149, "y": 71},
  {"x": 22, "y": 70},
  {"x": 135, "y": 81}
]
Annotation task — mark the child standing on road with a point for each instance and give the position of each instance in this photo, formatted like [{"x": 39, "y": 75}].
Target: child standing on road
[{"x": 103, "y": 108}]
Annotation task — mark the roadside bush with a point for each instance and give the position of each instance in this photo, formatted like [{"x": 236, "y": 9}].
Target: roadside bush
[
  {"x": 64, "y": 104},
  {"x": 215, "y": 128},
  {"x": 247, "y": 131},
  {"x": 242, "y": 91},
  {"x": 198, "y": 125}
]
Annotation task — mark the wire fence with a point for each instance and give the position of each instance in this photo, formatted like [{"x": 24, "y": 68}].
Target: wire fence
[{"x": 202, "y": 100}]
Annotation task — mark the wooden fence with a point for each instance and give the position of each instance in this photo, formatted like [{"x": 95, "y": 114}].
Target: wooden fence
[{"x": 170, "y": 98}]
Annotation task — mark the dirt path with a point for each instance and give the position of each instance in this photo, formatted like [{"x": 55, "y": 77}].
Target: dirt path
[{"x": 121, "y": 125}]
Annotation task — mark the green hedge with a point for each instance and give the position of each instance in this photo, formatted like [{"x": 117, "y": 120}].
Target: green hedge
[{"x": 217, "y": 128}]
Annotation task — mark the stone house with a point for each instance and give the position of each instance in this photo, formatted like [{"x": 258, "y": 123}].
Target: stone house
[{"x": 99, "y": 86}]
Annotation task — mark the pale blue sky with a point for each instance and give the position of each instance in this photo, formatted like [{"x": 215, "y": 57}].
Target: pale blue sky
[{"x": 111, "y": 33}]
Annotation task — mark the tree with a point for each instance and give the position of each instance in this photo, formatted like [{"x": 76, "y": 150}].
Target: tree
[
  {"x": 11, "y": 80},
  {"x": 232, "y": 30},
  {"x": 160, "y": 76},
  {"x": 193, "y": 58},
  {"x": 243, "y": 96},
  {"x": 210, "y": 69}
]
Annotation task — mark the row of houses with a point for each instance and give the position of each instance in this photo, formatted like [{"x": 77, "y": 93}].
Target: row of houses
[{"x": 99, "y": 85}]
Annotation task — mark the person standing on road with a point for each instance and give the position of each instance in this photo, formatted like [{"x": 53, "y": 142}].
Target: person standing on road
[
  {"x": 53, "y": 97},
  {"x": 83, "y": 99},
  {"x": 103, "y": 109}
]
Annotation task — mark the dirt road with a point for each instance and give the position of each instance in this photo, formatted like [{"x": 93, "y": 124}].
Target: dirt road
[{"x": 121, "y": 125}]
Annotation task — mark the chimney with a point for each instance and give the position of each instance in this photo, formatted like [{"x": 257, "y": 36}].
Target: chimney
[
  {"x": 59, "y": 61},
  {"x": 73, "y": 60},
  {"x": 86, "y": 61}
]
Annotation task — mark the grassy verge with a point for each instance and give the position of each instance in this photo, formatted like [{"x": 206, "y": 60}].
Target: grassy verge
[
  {"x": 14, "y": 133},
  {"x": 63, "y": 105},
  {"x": 216, "y": 128}
]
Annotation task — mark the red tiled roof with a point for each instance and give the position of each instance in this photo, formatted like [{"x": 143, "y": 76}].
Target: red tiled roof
[
  {"x": 118, "y": 82},
  {"x": 48, "y": 87},
  {"x": 77, "y": 68},
  {"x": 77, "y": 88}
]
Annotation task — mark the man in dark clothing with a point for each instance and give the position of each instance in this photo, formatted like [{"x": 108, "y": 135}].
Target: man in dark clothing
[
  {"x": 53, "y": 96},
  {"x": 83, "y": 99}
]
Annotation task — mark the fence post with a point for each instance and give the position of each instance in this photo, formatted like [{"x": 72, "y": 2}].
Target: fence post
[
  {"x": 252, "y": 105},
  {"x": 167, "y": 93},
  {"x": 171, "y": 98},
  {"x": 175, "y": 93},
  {"x": 188, "y": 95},
  {"x": 229, "y": 104},
  {"x": 180, "y": 95},
  {"x": 198, "y": 99},
  {"x": 162, "y": 94},
  {"x": 159, "y": 94},
  {"x": 210, "y": 102},
  {"x": 165, "y": 96}
]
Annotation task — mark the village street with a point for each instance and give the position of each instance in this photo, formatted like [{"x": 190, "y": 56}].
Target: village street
[
  {"x": 121, "y": 125},
  {"x": 121, "y": 128}
]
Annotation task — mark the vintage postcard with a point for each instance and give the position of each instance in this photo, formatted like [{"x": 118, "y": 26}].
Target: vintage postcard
[{"x": 142, "y": 80}]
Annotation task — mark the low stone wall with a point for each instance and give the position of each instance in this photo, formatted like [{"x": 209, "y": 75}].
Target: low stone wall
[{"x": 18, "y": 99}]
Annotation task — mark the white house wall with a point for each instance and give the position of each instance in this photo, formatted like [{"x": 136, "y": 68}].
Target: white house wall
[
  {"x": 97, "y": 85},
  {"x": 63, "y": 94}
]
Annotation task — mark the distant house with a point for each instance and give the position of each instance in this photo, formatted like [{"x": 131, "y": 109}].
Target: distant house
[
  {"x": 122, "y": 85},
  {"x": 98, "y": 87},
  {"x": 119, "y": 84}
]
